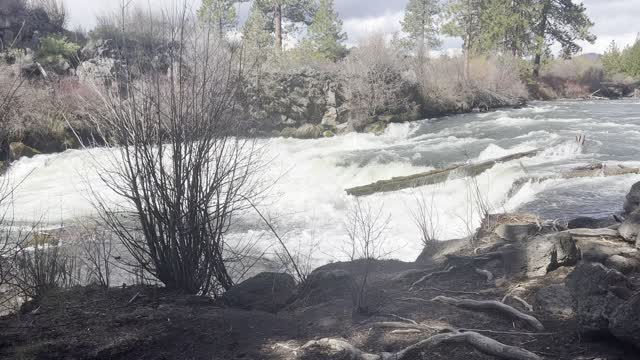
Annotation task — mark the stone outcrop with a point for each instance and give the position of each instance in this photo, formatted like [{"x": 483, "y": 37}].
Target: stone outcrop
[
  {"x": 546, "y": 253},
  {"x": 632, "y": 201},
  {"x": 630, "y": 227}
]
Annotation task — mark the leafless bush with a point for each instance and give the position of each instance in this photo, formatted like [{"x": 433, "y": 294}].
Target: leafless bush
[
  {"x": 425, "y": 217},
  {"x": 477, "y": 207},
  {"x": 43, "y": 267},
  {"x": 55, "y": 9},
  {"x": 97, "y": 250},
  {"x": 178, "y": 164},
  {"x": 373, "y": 81},
  {"x": 366, "y": 228}
]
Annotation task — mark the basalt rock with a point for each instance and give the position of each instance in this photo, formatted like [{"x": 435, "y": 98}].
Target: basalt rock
[
  {"x": 632, "y": 201},
  {"x": 630, "y": 227},
  {"x": 546, "y": 253},
  {"x": 266, "y": 291}
]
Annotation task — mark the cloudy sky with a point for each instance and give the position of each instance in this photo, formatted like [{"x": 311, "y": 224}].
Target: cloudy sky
[{"x": 614, "y": 19}]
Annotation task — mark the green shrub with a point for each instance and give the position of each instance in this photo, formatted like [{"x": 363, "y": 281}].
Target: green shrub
[{"x": 54, "y": 50}]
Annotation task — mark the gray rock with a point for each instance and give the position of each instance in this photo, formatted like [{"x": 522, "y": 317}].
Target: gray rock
[
  {"x": 630, "y": 228},
  {"x": 632, "y": 200},
  {"x": 597, "y": 292},
  {"x": 625, "y": 265},
  {"x": 266, "y": 291},
  {"x": 515, "y": 232},
  {"x": 547, "y": 253},
  {"x": 330, "y": 117},
  {"x": 624, "y": 323},
  {"x": 555, "y": 299},
  {"x": 308, "y": 131}
]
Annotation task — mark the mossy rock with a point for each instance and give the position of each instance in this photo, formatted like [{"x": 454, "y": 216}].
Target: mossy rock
[
  {"x": 328, "y": 134},
  {"x": 376, "y": 128},
  {"x": 308, "y": 131},
  {"x": 20, "y": 150},
  {"x": 288, "y": 132}
]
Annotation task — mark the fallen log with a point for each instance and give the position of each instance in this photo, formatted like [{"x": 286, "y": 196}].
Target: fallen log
[
  {"x": 434, "y": 176},
  {"x": 491, "y": 305}
]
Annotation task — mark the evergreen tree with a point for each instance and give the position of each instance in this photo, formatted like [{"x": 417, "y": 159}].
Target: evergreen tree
[
  {"x": 507, "y": 25},
  {"x": 420, "y": 23},
  {"x": 465, "y": 21},
  {"x": 325, "y": 36},
  {"x": 255, "y": 35},
  {"x": 294, "y": 11},
  {"x": 218, "y": 13},
  {"x": 612, "y": 59},
  {"x": 564, "y": 22}
]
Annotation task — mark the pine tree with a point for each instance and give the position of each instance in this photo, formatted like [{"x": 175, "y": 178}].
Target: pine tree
[
  {"x": 612, "y": 59},
  {"x": 564, "y": 22},
  {"x": 420, "y": 23},
  {"x": 507, "y": 26},
  {"x": 325, "y": 36},
  {"x": 255, "y": 35},
  {"x": 466, "y": 22},
  {"x": 218, "y": 13},
  {"x": 294, "y": 11}
]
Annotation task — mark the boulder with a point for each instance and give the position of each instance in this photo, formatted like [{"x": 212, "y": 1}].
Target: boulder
[
  {"x": 308, "y": 131},
  {"x": 632, "y": 200},
  {"x": 546, "y": 253},
  {"x": 330, "y": 117},
  {"x": 326, "y": 285},
  {"x": 625, "y": 265},
  {"x": 266, "y": 291},
  {"x": 515, "y": 232},
  {"x": 555, "y": 299},
  {"x": 624, "y": 323},
  {"x": 20, "y": 150},
  {"x": 630, "y": 227},
  {"x": 597, "y": 292}
]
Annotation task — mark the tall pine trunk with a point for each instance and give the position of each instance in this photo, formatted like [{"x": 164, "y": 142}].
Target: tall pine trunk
[
  {"x": 277, "y": 22},
  {"x": 540, "y": 33}
]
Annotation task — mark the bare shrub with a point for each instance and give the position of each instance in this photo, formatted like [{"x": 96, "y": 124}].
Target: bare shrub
[
  {"x": 177, "y": 162},
  {"x": 56, "y": 11},
  {"x": 43, "y": 267},
  {"x": 373, "y": 81},
  {"x": 425, "y": 217},
  {"x": 366, "y": 227},
  {"x": 97, "y": 250}
]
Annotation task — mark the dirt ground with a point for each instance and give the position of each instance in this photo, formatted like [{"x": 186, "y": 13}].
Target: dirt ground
[{"x": 94, "y": 323}]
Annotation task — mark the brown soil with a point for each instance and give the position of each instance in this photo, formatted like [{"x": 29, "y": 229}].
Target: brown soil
[{"x": 93, "y": 323}]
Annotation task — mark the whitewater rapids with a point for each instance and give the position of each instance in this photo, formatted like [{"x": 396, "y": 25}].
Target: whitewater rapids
[{"x": 308, "y": 203}]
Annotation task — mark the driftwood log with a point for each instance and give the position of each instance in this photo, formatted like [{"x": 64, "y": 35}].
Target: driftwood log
[{"x": 434, "y": 176}]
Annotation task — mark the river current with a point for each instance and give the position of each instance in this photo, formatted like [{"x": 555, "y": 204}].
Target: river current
[{"x": 308, "y": 204}]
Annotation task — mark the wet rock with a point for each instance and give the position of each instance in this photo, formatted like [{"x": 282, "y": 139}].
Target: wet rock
[
  {"x": 308, "y": 131},
  {"x": 625, "y": 265},
  {"x": 555, "y": 299},
  {"x": 20, "y": 150},
  {"x": 515, "y": 232},
  {"x": 547, "y": 253},
  {"x": 266, "y": 291},
  {"x": 632, "y": 201},
  {"x": 630, "y": 227},
  {"x": 330, "y": 117},
  {"x": 597, "y": 292}
]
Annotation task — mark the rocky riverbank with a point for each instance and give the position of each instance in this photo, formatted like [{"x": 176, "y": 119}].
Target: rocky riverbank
[{"x": 526, "y": 289}]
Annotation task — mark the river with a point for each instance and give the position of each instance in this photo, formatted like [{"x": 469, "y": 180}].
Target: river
[{"x": 308, "y": 204}]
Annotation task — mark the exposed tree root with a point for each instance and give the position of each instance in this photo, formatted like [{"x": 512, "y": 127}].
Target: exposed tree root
[
  {"x": 479, "y": 342},
  {"x": 430, "y": 275},
  {"x": 486, "y": 273},
  {"x": 491, "y": 305}
]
